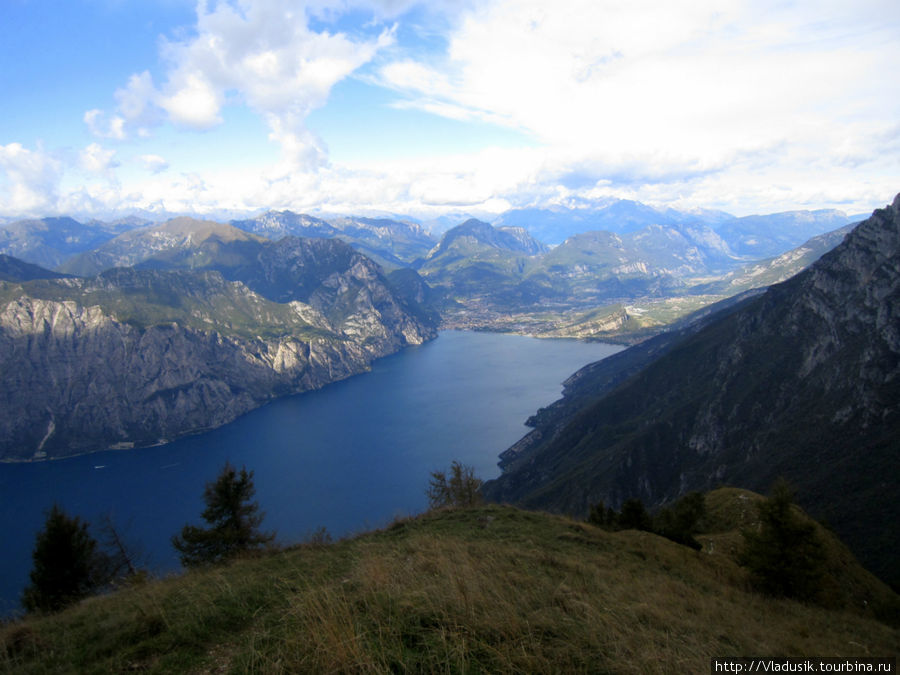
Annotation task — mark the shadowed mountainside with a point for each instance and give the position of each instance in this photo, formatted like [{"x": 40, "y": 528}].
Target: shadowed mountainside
[{"x": 801, "y": 382}]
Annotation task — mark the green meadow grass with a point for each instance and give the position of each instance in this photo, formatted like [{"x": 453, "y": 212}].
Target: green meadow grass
[{"x": 491, "y": 589}]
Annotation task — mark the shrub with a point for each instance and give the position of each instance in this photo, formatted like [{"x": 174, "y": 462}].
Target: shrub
[
  {"x": 677, "y": 522},
  {"x": 601, "y": 516}
]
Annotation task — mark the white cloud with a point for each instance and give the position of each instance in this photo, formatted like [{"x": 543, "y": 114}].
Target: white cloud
[
  {"x": 138, "y": 109},
  {"x": 138, "y": 103},
  {"x": 648, "y": 93},
  {"x": 101, "y": 127},
  {"x": 193, "y": 103},
  {"x": 29, "y": 180},
  {"x": 746, "y": 106},
  {"x": 154, "y": 163},
  {"x": 261, "y": 53},
  {"x": 97, "y": 159}
]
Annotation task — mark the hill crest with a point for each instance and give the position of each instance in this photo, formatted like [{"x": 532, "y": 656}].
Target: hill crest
[{"x": 491, "y": 589}]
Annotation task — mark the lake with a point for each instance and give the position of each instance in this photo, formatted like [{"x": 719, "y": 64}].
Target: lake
[{"x": 349, "y": 457}]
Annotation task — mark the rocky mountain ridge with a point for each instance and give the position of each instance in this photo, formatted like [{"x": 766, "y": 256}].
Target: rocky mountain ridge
[
  {"x": 391, "y": 243},
  {"x": 141, "y": 356},
  {"x": 174, "y": 237},
  {"x": 13, "y": 269},
  {"x": 474, "y": 235}
]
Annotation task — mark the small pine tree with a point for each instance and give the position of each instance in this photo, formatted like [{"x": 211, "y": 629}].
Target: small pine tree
[
  {"x": 634, "y": 516},
  {"x": 66, "y": 561},
  {"x": 461, "y": 488},
  {"x": 601, "y": 516},
  {"x": 121, "y": 557},
  {"x": 233, "y": 519},
  {"x": 784, "y": 555}
]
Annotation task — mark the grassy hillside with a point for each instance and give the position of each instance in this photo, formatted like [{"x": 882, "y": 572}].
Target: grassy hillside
[{"x": 491, "y": 589}]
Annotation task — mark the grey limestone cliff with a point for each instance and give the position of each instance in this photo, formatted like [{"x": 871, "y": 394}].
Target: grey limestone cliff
[{"x": 136, "y": 357}]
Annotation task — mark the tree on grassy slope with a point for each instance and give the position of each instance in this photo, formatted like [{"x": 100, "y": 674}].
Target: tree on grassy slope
[
  {"x": 232, "y": 517},
  {"x": 458, "y": 488},
  {"x": 679, "y": 521},
  {"x": 66, "y": 561},
  {"x": 784, "y": 555}
]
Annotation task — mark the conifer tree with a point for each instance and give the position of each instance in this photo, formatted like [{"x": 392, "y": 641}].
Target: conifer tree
[
  {"x": 679, "y": 521},
  {"x": 232, "y": 517},
  {"x": 65, "y": 561},
  {"x": 784, "y": 555},
  {"x": 634, "y": 516},
  {"x": 603, "y": 517}
]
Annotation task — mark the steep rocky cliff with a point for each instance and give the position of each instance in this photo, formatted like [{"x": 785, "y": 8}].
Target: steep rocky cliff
[
  {"x": 135, "y": 357},
  {"x": 803, "y": 381}
]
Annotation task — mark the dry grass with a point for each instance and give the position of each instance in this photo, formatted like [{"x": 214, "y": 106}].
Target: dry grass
[{"x": 492, "y": 589}]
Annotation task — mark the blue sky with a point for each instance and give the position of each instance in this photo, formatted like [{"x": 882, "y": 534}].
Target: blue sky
[{"x": 110, "y": 106}]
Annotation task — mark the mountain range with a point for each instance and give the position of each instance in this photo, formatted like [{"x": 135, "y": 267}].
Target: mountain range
[
  {"x": 203, "y": 324},
  {"x": 800, "y": 381},
  {"x": 768, "y": 346},
  {"x": 250, "y": 292},
  {"x": 600, "y": 284},
  {"x": 759, "y": 236},
  {"x": 401, "y": 241},
  {"x": 391, "y": 243},
  {"x": 49, "y": 242}
]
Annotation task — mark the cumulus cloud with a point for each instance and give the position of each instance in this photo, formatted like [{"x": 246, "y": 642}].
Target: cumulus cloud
[
  {"x": 97, "y": 159},
  {"x": 649, "y": 93},
  {"x": 746, "y": 106},
  {"x": 154, "y": 163},
  {"x": 29, "y": 180},
  {"x": 138, "y": 103},
  {"x": 102, "y": 126},
  {"x": 194, "y": 102},
  {"x": 261, "y": 53}
]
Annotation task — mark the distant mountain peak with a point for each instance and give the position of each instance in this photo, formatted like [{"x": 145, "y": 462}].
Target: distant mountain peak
[
  {"x": 198, "y": 230},
  {"x": 481, "y": 234}
]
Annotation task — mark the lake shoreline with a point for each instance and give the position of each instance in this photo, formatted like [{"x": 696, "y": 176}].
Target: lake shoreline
[{"x": 349, "y": 456}]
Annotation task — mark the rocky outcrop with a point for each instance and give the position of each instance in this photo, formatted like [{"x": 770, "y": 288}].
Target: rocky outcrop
[{"x": 136, "y": 357}]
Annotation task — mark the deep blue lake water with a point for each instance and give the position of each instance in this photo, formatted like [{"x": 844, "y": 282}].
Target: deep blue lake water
[{"x": 348, "y": 457}]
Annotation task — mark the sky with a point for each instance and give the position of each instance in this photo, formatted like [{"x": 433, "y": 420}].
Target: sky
[{"x": 109, "y": 107}]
